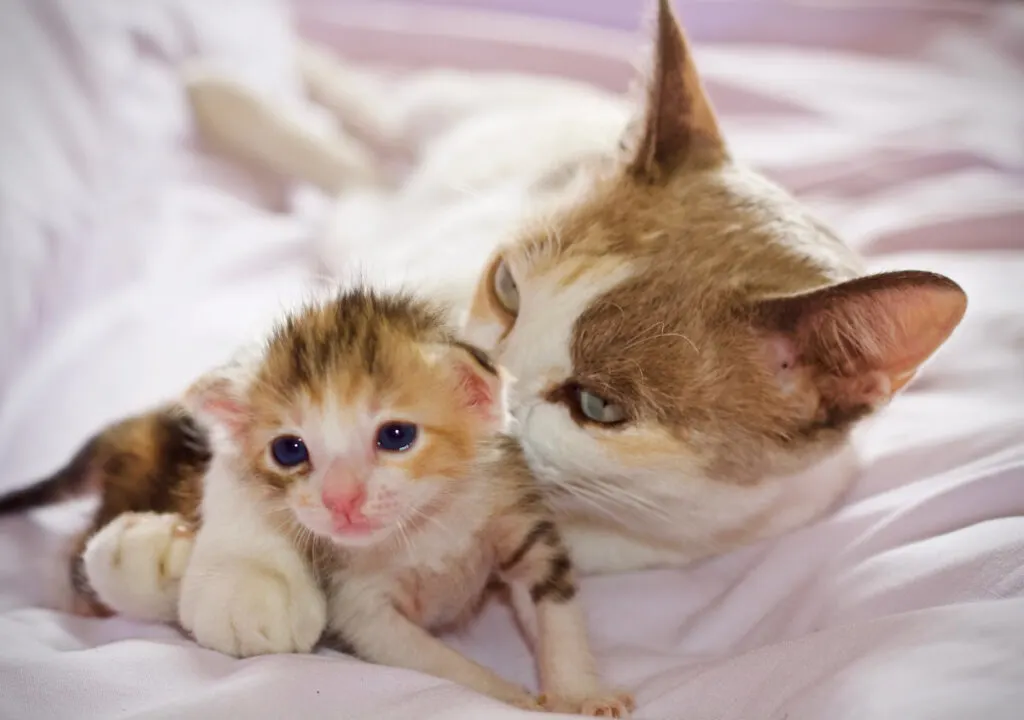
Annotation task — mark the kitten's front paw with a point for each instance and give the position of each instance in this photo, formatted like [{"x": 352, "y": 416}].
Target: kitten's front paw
[
  {"x": 245, "y": 609},
  {"x": 609, "y": 705},
  {"x": 135, "y": 563}
]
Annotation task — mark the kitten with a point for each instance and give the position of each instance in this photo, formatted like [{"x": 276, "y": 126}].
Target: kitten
[
  {"x": 692, "y": 348},
  {"x": 359, "y": 486}
]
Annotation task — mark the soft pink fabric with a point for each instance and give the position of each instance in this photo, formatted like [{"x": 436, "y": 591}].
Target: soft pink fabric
[{"x": 131, "y": 262}]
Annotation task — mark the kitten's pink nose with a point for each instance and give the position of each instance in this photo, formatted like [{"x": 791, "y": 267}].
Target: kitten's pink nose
[{"x": 346, "y": 503}]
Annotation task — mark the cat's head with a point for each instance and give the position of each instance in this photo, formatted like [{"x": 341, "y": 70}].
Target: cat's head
[
  {"x": 682, "y": 320},
  {"x": 359, "y": 416}
]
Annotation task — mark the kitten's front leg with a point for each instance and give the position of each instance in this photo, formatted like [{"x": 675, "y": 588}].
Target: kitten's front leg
[
  {"x": 536, "y": 564},
  {"x": 370, "y": 624},
  {"x": 135, "y": 563},
  {"x": 247, "y": 590}
]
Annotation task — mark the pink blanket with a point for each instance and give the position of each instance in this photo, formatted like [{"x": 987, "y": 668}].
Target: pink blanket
[{"x": 132, "y": 261}]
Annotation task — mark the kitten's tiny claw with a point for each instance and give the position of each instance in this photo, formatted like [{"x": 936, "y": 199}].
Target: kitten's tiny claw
[
  {"x": 619, "y": 705},
  {"x": 613, "y": 705}
]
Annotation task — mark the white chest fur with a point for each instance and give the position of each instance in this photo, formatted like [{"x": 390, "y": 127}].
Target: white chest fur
[{"x": 434, "y": 578}]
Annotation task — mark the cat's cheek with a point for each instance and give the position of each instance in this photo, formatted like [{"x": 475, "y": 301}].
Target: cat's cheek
[
  {"x": 309, "y": 510},
  {"x": 484, "y": 331},
  {"x": 392, "y": 496},
  {"x": 555, "y": 444}
]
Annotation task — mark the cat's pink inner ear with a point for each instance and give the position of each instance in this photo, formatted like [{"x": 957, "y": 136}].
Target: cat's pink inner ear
[
  {"x": 476, "y": 391},
  {"x": 480, "y": 383},
  {"x": 866, "y": 338},
  {"x": 217, "y": 399}
]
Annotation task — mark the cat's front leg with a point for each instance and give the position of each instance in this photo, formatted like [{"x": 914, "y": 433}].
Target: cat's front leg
[
  {"x": 247, "y": 590},
  {"x": 536, "y": 565},
  {"x": 367, "y": 622},
  {"x": 601, "y": 550}
]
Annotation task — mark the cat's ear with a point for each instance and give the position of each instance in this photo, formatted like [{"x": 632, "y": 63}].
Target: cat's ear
[
  {"x": 481, "y": 384},
  {"x": 219, "y": 397},
  {"x": 678, "y": 124},
  {"x": 862, "y": 340}
]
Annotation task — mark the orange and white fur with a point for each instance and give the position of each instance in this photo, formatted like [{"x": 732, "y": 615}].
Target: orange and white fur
[
  {"x": 361, "y": 489},
  {"x": 692, "y": 348}
]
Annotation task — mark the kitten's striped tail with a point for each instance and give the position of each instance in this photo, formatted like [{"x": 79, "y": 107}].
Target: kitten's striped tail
[
  {"x": 143, "y": 461},
  {"x": 71, "y": 481}
]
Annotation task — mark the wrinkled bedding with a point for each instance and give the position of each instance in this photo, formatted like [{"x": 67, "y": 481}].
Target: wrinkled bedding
[{"x": 131, "y": 260}]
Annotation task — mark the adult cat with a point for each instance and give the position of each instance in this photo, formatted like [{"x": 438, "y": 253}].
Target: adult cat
[{"x": 691, "y": 347}]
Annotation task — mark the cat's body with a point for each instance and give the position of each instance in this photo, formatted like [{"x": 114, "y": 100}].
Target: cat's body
[
  {"x": 358, "y": 487},
  {"x": 655, "y": 270},
  {"x": 692, "y": 349}
]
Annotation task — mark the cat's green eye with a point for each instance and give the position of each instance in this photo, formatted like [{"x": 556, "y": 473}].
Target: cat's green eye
[
  {"x": 596, "y": 408},
  {"x": 505, "y": 288}
]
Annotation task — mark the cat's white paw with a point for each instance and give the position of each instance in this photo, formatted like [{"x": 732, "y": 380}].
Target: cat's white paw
[
  {"x": 243, "y": 608},
  {"x": 136, "y": 562}
]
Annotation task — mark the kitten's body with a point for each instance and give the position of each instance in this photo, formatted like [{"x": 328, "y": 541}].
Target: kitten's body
[{"x": 316, "y": 521}]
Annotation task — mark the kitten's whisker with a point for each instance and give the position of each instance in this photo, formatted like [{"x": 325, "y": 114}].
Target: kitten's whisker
[
  {"x": 468, "y": 192},
  {"x": 430, "y": 518}
]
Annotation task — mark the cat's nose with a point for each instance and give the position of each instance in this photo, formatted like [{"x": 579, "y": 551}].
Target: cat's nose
[{"x": 345, "y": 503}]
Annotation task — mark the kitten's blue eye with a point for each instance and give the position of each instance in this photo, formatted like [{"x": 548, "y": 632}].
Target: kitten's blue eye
[
  {"x": 289, "y": 451},
  {"x": 396, "y": 436}
]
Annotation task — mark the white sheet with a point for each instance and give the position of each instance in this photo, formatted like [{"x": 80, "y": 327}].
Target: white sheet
[{"x": 131, "y": 262}]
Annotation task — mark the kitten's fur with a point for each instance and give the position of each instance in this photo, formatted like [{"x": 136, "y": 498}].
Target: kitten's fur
[
  {"x": 738, "y": 337},
  {"x": 419, "y": 533}
]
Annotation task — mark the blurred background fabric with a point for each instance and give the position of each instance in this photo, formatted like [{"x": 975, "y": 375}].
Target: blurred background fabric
[{"x": 131, "y": 260}]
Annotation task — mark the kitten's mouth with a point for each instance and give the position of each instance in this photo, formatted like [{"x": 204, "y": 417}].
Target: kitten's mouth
[{"x": 354, "y": 528}]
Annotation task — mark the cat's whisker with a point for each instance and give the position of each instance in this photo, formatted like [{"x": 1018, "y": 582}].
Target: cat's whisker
[
  {"x": 403, "y": 536},
  {"x": 430, "y": 518},
  {"x": 587, "y": 496},
  {"x": 601, "y": 492},
  {"x": 657, "y": 331},
  {"x": 636, "y": 501},
  {"x": 468, "y": 192}
]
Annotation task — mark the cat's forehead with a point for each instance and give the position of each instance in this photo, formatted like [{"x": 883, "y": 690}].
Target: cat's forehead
[
  {"x": 660, "y": 276},
  {"x": 358, "y": 344}
]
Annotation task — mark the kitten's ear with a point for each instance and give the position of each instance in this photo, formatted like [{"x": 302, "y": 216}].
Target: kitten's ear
[
  {"x": 678, "y": 124},
  {"x": 864, "y": 339},
  {"x": 218, "y": 398},
  {"x": 482, "y": 385}
]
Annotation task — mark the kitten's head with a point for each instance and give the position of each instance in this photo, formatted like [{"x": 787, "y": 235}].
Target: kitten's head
[
  {"x": 361, "y": 415},
  {"x": 684, "y": 321}
]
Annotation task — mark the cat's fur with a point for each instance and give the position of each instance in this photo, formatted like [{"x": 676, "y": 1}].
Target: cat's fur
[
  {"x": 738, "y": 337},
  {"x": 369, "y": 547}
]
